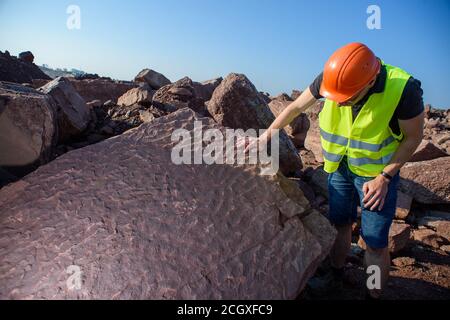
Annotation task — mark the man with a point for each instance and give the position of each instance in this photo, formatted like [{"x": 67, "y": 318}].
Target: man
[{"x": 371, "y": 124}]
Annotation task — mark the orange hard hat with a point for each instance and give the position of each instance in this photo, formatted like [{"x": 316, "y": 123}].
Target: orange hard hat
[{"x": 348, "y": 71}]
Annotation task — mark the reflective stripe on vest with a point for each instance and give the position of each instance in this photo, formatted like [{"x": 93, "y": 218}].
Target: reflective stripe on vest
[
  {"x": 357, "y": 161},
  {"x": 368, "y": 141},
  {"x": 343, "y": 141}
]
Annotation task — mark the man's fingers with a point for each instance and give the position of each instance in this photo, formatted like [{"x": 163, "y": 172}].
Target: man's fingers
[
  {"x": 375, "y": 205},
  {"x": 380, "y": 207},
  {"x": 368, "y": 194},
  {"x": 375, "y": 197},
  {"x": 365, "y": 189}
]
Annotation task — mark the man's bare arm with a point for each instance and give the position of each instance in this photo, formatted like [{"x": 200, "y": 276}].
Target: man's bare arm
[
  {"x": 413, "y": 131},
  {"x": 292, "y": 111}
]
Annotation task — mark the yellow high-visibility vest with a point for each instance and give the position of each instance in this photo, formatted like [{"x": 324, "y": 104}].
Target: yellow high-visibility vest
[{"x": 368, "y": 141}]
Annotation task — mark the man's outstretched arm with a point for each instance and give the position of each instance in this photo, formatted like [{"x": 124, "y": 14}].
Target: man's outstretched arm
[{"x": 292, "y": 111}]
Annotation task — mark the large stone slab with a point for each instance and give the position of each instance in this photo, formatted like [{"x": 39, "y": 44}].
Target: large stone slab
[
  {"x": 140, "y": 227},
  {"x": 102, "y": 89},
  {"x": 73, "y": 113},
  {"x": 28, "y": 127}
]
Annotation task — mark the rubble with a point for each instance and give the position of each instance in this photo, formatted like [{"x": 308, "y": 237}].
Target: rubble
[
  {"x": 18, "y": 70},
  {"x": 178, "y": 95},
  {"x": 141, "y": 227}
]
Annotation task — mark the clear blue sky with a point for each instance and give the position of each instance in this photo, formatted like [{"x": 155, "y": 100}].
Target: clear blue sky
[{"x": 280, "y": 45}]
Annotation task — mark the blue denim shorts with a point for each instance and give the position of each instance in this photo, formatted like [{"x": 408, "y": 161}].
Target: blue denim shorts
[{"x": 345, "y": 194}]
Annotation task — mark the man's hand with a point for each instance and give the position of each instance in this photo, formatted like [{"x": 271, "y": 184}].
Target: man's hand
[{"x": 375, "y": 193}]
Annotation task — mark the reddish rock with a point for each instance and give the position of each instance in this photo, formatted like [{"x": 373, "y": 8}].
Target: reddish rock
[
  {"x": 205, "y": 89},
  {"x": 442, "y": 227},
  {"x": 265, "y": 96},
  {"x": 237, "y": 104},
  {"x": 427, "y": 150},
  {"x": 154, "y": 79},
  {"x": 404, "y": 202},
  {"x": 428, "y": 182},
  {"x": 319, "y": 181},
  {"x": 427, "y": 111},
  {"x": 307, "y": 190},
  {"x": 26, "y": 56},
  {"x": 320, "y": 227},
  {"x": 142, "y": 95},
  {"x": 16, "y": 70},
  {"x": 27, "y": 126},
  {"x": 429, "y": 237},
  {"x": 298, "y": 128},
  {"x": 179, "y": 95},
  {"x": 146, "y": 116},
  {"x": 443, "y": 138},
  {"x": 37, "y": 83},
  {"x": 431, "y": 123},
  {"x": 73, "y": 113},
  {"x": 101, "y": 89},
  {"x": 295, "y": 94},
  {"x": 399, "y": 236},
  {"x": 139, "y": 226},
  {"x": 312, "y": 140},
  {"x": 402, "y": 262},
  {"x": 282, "y": 97},
  {"x": 308, "y": 158}
]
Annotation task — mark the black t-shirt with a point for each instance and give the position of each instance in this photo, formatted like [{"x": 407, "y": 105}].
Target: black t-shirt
[{"x": 409, "y": 106}]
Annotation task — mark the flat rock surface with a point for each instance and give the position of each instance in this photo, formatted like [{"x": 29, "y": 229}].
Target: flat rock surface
[
  {"x": 140, "y": 227},
  {"x": 101, "y": 89},
  {"x": 428, "y": 182}
]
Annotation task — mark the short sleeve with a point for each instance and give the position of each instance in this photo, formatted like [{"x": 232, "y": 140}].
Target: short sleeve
[
  {"x": 315, "y": 86},
  {"x": 411, "y": 102}
]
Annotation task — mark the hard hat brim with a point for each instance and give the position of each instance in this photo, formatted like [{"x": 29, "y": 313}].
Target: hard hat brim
[{"x": 334, "y": 96}]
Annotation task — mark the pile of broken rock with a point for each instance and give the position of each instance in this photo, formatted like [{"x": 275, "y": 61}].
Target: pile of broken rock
[
  {"x": 87, "y": 181},
  {"x": 95, "y": 188}
]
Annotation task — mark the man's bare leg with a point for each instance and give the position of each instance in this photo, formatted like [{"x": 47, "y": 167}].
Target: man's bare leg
[
  {"x": 380, "y": 258},
  {"x": 341, "y": 246}
]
